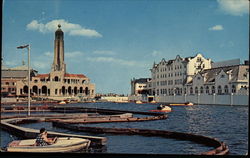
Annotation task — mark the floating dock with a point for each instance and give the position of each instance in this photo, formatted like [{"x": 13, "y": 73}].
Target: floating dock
[{"x": 29, "y": 133}]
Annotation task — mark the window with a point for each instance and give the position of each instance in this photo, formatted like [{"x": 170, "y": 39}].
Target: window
[
  {"x": 207, "y": 90},
  {"x": 7, "y": 83},
  {"x": 198, "y": 78},
  {"x": 233, "y": 89},
  {"x": 201, "y": 89},
  {"x": 196, "y": 90},
  {"x": 191, "y": 90},
  {"x": 219, "y": 90},
  {"x": 56, "y": 79},
  {"x": 226, "y": 89},
  {"x": 213, "y": 89},
  {"x": 222, "y": 76},
  {"x": 198, "y": 59}
]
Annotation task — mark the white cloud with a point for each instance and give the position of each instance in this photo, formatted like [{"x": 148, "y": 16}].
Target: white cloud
[
  {"x": 70, "y": 28},
  {"x": 216, "y": 28},
  {"x": 73, "y": 54},
  {"x": 114, "y": 60},
  {"x": 104, "y": 52},
  {"x": 156, "y": 53},
  {"x": 84, "y": 32},
  {"x": 49, "y": 54},
  {"x": 234, "y": 7}
]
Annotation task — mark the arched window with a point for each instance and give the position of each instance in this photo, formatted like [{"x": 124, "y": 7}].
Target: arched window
[
  {"x": 207, "y": 90},
  {"x": 44, "y": 90},
  {"x": 87, "y": 91},
  {"x": 213, "y": 89},
  {"x": 233, "y": 89},
  {"x": 219, "y": 90},
  {"x": 196, "y": 90},
  {"x": 226, "y": 89},
  {"x": 81, "y": 90},
  {"x": 56, "y": 79},
  {"x": 25, "y": 89},
  {"x": 63, "y": 90},
  {"x": 191, "y": 90},
  {"x": 201, "y": 89},
  {"x": 35, "y": 89},
  {"x": 69, "y": 90},
  {"x": 75, "y": 90}
]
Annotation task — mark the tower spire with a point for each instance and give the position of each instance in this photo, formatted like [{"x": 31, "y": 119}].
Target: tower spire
[{"x": 58, "y": 64}]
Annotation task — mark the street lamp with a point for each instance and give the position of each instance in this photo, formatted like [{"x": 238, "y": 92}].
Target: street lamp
[{"x": 28, "y": 47}]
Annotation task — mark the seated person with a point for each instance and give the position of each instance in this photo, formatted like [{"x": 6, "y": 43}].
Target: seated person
[{"x": 43, "y": 140}]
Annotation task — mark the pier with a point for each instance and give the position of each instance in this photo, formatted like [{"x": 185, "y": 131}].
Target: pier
[
  {"x": 29, "y": 133},
  {"x": 220, "y": 148}
]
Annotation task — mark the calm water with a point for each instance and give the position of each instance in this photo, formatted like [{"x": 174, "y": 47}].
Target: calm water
[{"x": 226, "y": 123}]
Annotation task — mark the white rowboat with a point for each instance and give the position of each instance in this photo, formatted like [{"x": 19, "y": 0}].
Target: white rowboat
[{"x": 63, "y": 144}]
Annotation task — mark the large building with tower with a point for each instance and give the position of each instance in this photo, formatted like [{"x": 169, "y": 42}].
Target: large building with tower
[{"x": 58, "y": 84}]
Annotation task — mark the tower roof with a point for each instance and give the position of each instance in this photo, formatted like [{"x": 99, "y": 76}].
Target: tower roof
[{"x": 59, "y": 30}]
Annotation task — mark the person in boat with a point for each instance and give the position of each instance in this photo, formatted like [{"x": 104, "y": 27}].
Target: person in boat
[{"x": 43, "y": 140}]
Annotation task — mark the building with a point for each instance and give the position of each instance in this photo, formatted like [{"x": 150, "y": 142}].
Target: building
[
  {"x": 169, "y": 77},
  {"x": 140, "y": 86},
  {"x": 10, "y": 76},
  {"x": 58, "y": 84},
  {"x": 220, "y": 81}
]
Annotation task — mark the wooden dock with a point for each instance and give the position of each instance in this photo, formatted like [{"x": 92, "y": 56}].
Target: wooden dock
[{"x": 29, "y": 133}]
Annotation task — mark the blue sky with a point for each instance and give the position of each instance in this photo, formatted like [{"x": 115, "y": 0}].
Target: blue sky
[{"x": 113, "y": 41}]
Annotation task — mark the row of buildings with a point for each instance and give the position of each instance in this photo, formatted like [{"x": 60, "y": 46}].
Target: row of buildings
[
  {"x": 193, "y": 75},
  {"x": 58, "y": 84}
]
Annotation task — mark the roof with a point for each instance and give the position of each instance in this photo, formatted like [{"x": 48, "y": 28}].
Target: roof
[
  {"x": 10, "y": 73},
  {"x": 75, "y": 75},
  {"x": 141, "y": 80},
  {"x": 42, "y": 75},
  {"x": 22, "y": 67},
  {"x": 238, "y": 72}
]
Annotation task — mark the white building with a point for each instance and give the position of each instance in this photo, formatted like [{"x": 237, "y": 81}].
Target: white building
[
  {"x": 220, "y": 81},
  {"x": 139, "y": 86},
  {"x": 169, "y": 77}
]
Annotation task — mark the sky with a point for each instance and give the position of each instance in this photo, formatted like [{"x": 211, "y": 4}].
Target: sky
[{"x": 114, "y": 41}]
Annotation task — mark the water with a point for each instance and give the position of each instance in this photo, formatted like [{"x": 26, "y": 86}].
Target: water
[{"x": 226, "y": 123}]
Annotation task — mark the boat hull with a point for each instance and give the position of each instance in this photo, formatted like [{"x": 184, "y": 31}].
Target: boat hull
[
  {"x": 62, "y": 145},
  {"x": 181, "y": 104},
  {"x": 160, "y": 110}
]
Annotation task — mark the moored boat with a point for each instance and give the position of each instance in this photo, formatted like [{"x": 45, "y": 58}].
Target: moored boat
[
  {"x": 153, "y": 101},
  {"x": 162, "y": 108},
  {"x": 62, "y": 102},
  {"x": 138, "y": 102},
  {"x": 63, "y": 144},
  {"x": 181, "y": 104}
]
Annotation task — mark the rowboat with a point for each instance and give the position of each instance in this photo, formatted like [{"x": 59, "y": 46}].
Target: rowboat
[{"x": 63, "y": 144}]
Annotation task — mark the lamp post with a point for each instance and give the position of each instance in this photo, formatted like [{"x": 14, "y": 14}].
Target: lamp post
[{"x": 28, "y": 47}]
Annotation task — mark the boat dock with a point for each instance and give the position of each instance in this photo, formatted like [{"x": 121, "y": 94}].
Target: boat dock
[{"x": 28, "y": 133}]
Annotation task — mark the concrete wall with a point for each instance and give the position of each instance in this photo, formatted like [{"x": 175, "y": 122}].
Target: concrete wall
[
  {"x": 5, "y": 100},
  {"x": 206, "y": 99},
  {"x": 115, "y": 99}
]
